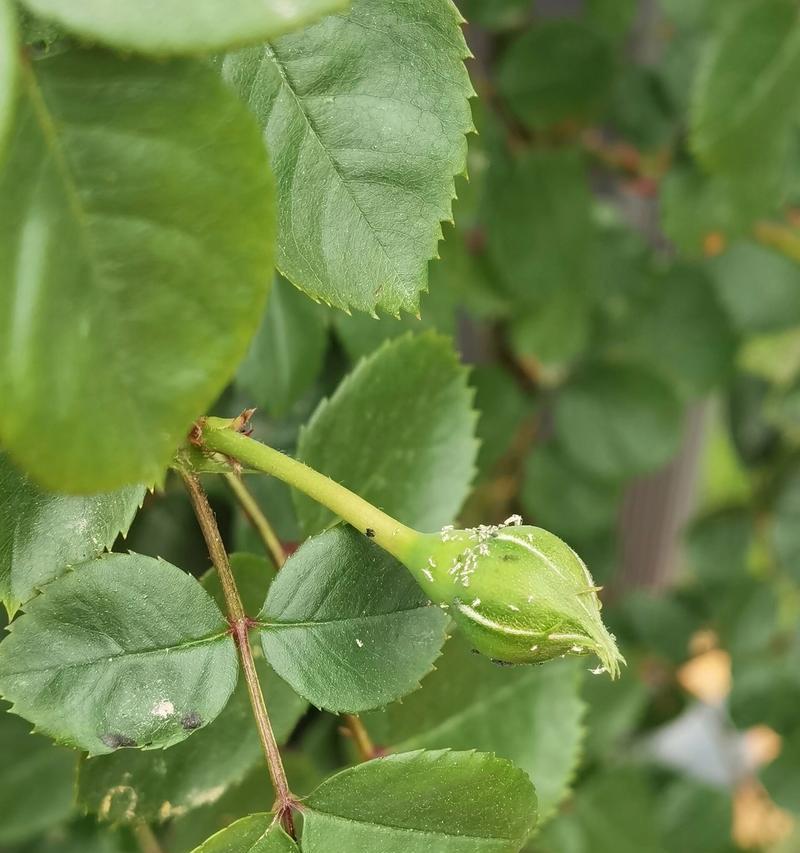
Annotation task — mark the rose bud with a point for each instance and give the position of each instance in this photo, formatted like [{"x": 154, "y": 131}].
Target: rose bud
[{"x": 519, "y": 593}]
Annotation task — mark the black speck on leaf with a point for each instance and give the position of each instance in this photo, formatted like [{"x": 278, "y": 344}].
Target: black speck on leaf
[
  {"x": 370, "y": 532},
  {"x": 113, "y": 740},
  {"x": 191, "y": 721}
]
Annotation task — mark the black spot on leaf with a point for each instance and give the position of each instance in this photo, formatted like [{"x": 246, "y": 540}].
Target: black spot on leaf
[
  {"x": 191, "y": 721},
  {"x": 370, "y": 533},
  {"x": 113, "y": 740}
]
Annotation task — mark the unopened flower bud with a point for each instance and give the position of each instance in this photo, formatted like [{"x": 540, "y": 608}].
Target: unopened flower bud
[{"x": 519, "y": 593}]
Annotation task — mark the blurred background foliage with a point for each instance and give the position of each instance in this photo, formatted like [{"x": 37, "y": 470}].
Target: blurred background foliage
[{"x": 624, "y": 275}]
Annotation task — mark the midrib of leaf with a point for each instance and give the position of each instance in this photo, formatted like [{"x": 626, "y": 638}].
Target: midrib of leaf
[
  {"x": 366, "y": 618},
  {"x": 212, "y": 638},
  {"x": 269, "y": 51},
  {"x": 425, "y": 833},
  {"x": 486, "y": 703}
]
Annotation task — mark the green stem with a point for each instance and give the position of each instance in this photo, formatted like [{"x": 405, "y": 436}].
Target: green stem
[
  {"x": 257, "y": 518},
  {"x": 390, "y": 534}
]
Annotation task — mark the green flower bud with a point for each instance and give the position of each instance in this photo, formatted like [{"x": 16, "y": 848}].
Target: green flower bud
[{"x": 519, "y": 593}]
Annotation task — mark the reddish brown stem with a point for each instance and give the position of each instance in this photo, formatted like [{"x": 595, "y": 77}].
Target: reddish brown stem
[{"x": 285, "y": 801}]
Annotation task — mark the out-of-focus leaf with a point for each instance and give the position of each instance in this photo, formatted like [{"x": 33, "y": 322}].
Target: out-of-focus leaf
[
  {"x": 36, "y": 781},
  {"x": 745, "y": 93},
  {"x": 138, "y": 202},
  {"x": 286, "y": 354},
  {"x": 760, "y": 288},
  {"x": 181, "y": 26},
  {"x": 617, "y": 421},
  {"x": 555, "y": 71},
  {"x": 565, "y": 499}
]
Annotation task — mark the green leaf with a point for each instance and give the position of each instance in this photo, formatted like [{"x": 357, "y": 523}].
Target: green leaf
[
  {"x": 253, "y": 834},
  {"x": 614, "y": 812},
  {"x": 745, "y": 92},
  {"x": 399, "y": 431},
  {"x": 461, "y": 704},
  {"x": 287, "y": 353},
  {"x": 682, "y": 330},
  {"x": 450, "y": 802},
  {"x": 130, "y": 785},
  {"x": 561, "y": 497},
  {"x": 774, "y": 304},
  {"x": 347, "y": 626},
  {"x": 365, "y": 115},
  {"x": 696, "y": 818},
  {"x": 42, "y": 533},
  {"x": 244, "y": 799},
  {"x": 617, "y": 421},
  {"x": 32, "y": 765},
  {"x": 123, "y": 651},
  {"x": 784, "y": 533},
  {"x": 361, "y": 334},
  {"x": 539, "y": 228},
  {"x": 161, "y": 27},
  {"x": 9, "y": 70},
  {"x": 139, "y": 204},
  {"x": 554, "y": 71},
  {"x": 503, "y": 407},
  {"x": 718, "y": 545},
  {"x": 499, "y": 14}
]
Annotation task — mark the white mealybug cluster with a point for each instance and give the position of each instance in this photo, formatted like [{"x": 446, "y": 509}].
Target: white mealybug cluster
[{"x": 466, "y": 564}]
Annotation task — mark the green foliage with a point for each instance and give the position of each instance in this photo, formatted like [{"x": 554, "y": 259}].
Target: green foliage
[
  {"x": 461, "y": 703},
  {"x": 618, "y": 420},
  {"x": 9, "y": 69},
  {"x": 37, "y": 766},
  {"x": 556, "y": 71},
  {"x": 177, "y": 255},
  {"x": 253, "y": 834},
  {"x": 129, "y": 786},
  {"x": 181, "y": 26},
  {"x": 42, "y": 533},
  {"x": 98, "y": 662},
  {"x": 458, "y": 801},
  {"x": 399, "y": 431},
  {"x": 744, "y": 92},
  {"x": 608, "y": 341},
  {"x": 369, "y": 138},
  {"x": 346, "y": 626},
  {"x": 286, "y": 354}
]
